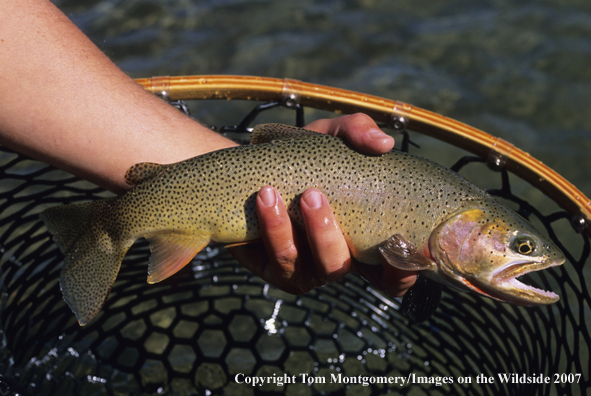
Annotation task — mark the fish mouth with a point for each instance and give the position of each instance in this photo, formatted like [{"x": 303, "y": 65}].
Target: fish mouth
[{"x": 505, "y": 286}]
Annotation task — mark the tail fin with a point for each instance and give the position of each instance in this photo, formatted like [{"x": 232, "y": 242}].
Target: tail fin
[{"x": 93, "y": 257}]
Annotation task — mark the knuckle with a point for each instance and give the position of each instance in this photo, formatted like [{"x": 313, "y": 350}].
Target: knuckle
[
  {"x": 330, "y": 273},
  {"x": 359, "y": 117},
  {"x": 285, "y": 257}
]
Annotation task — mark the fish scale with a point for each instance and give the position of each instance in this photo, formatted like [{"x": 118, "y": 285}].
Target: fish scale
[
  {"x": 356, "y": 186},
  {"x": 182, "y": 207}
]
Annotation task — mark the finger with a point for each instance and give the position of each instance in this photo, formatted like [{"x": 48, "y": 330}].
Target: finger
[
  {"x": 358, "y": 129},
  {"x": 392, "y": 281},
  {"x": 285, "y": 269},
  {"x": 272, "y": 220},
  {"x": 396, "y": 282},
  {"x": 276, "y": 229},
  {"x": 252, "y": 256},
  {"x": 327, "y": 243}
]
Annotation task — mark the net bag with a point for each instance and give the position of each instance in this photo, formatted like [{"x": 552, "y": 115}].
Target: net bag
[{"x": 214, "y": 328}]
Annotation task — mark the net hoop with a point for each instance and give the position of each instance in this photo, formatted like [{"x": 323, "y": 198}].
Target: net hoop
[
  {"x": 342, "y": 101},
  {"x": 213, "y": 319}
]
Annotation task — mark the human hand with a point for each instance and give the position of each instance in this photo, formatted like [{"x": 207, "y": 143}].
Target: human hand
[{"x": 286, "y": 259}]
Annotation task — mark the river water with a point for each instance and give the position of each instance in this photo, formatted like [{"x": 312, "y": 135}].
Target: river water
[{"x": 517, "y": 70}]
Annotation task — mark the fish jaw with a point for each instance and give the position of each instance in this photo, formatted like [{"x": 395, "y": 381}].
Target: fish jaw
[
  {"x": 476, "y": 252},
  {"x": 518, "y": 292},
  {"x": 504, "y": 285}
]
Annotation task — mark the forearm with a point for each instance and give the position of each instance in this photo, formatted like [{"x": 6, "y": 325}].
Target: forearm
[{"x": 66, "y": 103}]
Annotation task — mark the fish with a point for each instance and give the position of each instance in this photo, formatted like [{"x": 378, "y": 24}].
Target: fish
[{"x": 396, "y": 208}]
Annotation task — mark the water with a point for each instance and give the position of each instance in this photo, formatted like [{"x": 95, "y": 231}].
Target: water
[{"x": 518, "y": 70}]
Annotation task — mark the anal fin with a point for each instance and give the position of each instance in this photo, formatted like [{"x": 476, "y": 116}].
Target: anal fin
[{"x": 171, "y": 252}]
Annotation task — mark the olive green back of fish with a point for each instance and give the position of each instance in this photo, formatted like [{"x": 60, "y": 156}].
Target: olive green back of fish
[
  {"x": 373, "y": 197},
  {"x": 181, "y": 207}
]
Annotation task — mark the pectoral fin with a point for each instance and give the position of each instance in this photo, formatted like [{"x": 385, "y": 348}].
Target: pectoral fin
[
  {"x": 421, "y": 300},
  {"x": 404, "y": 255},
  {"x": 171, "y": 252}
]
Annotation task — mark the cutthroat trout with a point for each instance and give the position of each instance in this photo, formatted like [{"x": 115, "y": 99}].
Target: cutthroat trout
[{"x": 414, "y": 213}]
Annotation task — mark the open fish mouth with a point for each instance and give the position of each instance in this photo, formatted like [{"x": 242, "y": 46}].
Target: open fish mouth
[{"x": 506, "y": 287}]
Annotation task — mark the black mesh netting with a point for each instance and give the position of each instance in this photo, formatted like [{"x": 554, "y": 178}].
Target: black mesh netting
[{"x": 192, "y": 333}]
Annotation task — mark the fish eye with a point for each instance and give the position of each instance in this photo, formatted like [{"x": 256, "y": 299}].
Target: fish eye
[{"x": 524, "y": 245}]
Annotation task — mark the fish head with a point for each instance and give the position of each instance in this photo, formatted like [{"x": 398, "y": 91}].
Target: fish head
[{"x": 487, "y": 249}]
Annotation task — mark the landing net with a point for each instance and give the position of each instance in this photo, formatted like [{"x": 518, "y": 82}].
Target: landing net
[{"x": 214, "y": 323}]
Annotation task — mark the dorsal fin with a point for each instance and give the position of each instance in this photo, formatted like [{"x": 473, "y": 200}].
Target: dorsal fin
[
  {"x": 269, "y": 133},
  {"x": 140, "y": 172}
]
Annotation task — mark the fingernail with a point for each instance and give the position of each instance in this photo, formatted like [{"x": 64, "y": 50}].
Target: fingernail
[
  {"x": 267, "y": 195},
  {"x": 313, "y": 199},
  {"x": 381, "y": 141}
]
